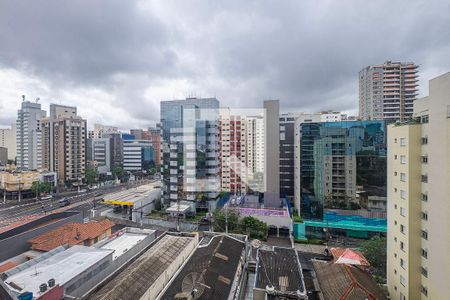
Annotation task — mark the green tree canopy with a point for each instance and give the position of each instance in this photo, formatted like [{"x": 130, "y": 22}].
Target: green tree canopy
[
  {"x": 375, "y": 252},
  {"x": 91, "y": 175},
  {"x": 38, "y": 187}
]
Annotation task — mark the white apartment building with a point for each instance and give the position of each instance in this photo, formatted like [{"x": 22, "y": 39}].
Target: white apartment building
[
  {"x": 387, "y": 91},
  {"x": 418, "y": 240},
  {"x": 8, "y": 140},
  {"x": 100, "y": 129},
  {"x": 28, "y": 135}
]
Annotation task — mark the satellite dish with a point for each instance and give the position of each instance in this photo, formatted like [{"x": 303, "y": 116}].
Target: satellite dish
[{"x": 194, "y": 285}]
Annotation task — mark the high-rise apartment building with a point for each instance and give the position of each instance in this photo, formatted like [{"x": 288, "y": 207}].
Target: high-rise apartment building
[
  {"x": 232, "y": 152},
  {"x": 338, "y": 162},
  {"x": 387, "y": 91},
  {"x": 418, "y": 264},
  {"x": 28, "y": 135},
  {"x": 155, "y": 137},
  {"x": 190, "y": 155},
  {"x": 8, "y": 140},
  {"x": 64, "y": 144},
  {"x": 255, "y": 152},
  {"x": 100, "y": 129}
]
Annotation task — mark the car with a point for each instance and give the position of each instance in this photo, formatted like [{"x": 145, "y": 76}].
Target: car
[
  {"x": 47, "y": 197},
  {"x": 64, "y": 202}
]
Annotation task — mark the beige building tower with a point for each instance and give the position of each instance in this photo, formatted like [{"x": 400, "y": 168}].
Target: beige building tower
[
  {"x": 418, "y": 243},
  {"x": 64, "y": 144}
]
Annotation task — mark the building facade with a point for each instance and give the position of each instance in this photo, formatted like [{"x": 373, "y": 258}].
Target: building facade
[
  {"x": 100, "y": 129},
  {"x": 64, "y": 144},
  {"x": 155, "y": 137},
  {"x": 190, "y": 150},
  {"x": 387, "y": 91},
  {"x": 8, "y": 140},
  {"x": 138, "y": 155},
  {"x": 99, "y": 150},
  {"x": 116, "y": 149},
  {"x": 338, "y": 162},
  {"x": 418, "y": 264},
  {"x": 28, "y": 135}
]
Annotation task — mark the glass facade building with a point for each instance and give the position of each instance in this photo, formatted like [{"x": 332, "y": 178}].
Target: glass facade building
[
  {"x": 342, "y": 165},
  {"x": 190, "y": 151}
]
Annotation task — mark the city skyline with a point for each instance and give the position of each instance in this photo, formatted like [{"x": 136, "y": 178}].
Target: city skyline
[{"x": 153, "y": 54}]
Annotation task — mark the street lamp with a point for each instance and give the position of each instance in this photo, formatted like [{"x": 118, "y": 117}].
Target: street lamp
[{"x": 4, "y": 189}]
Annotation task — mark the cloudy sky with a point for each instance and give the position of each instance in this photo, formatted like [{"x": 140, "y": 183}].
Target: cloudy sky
[{"x": 117, "y": 59}]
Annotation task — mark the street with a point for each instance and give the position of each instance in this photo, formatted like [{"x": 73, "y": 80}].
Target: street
[{"x": 11, "y": 213}]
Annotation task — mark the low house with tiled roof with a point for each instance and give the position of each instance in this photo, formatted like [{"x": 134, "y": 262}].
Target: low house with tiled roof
[
  {"x": 73, "y": 234},
  {"x": 346, "y": 282},
  {"x": 348, "y": 256}
]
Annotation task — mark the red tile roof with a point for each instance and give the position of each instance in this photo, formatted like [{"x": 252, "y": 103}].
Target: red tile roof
[
  {"x": 70, "y": 233},
  {"x": 347, "y": 256},
  {"x": 7, "y": 265}
]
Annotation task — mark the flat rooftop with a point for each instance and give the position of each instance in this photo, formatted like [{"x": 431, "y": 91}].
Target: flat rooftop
[
  {"x": 123, "y": 243},
  {"x": 138, "y": 277},
  {"x": 210, "y": 271},
  {"x": 280, "y": 267},
  {"x": 131, "y": 196},
  {"x": 246, "y": 211},
  {"x": 62, "y": 267}
]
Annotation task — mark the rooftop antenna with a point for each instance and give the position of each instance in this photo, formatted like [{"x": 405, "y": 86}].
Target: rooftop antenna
[
  {"x": 37, "y": 99},
  {"x": 23, "y": 98}
]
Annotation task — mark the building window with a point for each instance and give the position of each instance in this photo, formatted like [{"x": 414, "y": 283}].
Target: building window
[
  {"x": 402, "y": 263},
  {"x": 424, "y": 197},
  {"x": 424, "y": 119},
  {"x": 403, "y": 142},
  {"x": 424, "y": 178},
  {"x": 424, "y": 159},
  {"x": 424, "y": 140},
  {"x": 424, "y": 235},
  {"x": 402, "y": 159},
  {"x": 402, "y": 280},
  {"x": 424, "y": 290},
  {"x": 402, "y": 194},
  {"x": 402, "y": 246},
  {"x": 395, "y": 156},
  {"x": 402, "y": 228},
  {"x": 424, "y": 216},
  {"x": 424, "y": 253},
  {"x": 424, "y": 272},
  {"x": 402, "y": 177},
  {"x": 402, "y": 211}
]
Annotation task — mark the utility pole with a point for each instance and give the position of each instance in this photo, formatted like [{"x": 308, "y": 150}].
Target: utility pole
[
  {"x": 37, "y": 191},
  {"x": 19, "y": 178},
  {"x": 4, "y": 189},
  {"x": 226, "y": 219}
]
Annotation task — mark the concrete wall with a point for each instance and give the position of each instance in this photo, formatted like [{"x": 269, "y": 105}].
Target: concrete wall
[
  {"x": 272, "y": 142},
  {"x": 15, "y": 241}
]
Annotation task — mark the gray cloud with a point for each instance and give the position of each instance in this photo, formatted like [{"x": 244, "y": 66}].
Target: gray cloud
[{"x": 117, "y": 59}]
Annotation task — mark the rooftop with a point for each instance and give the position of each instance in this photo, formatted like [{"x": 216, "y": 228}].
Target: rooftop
[
  {"x": 62, "y": 266},
  {"x": 131, "y": 196},
  {"x": 280, "y": 268},
  {"x": 139, "y": 276},
  {"x": 210, "y": 272},
  {"x": 123, "y": 242},
  {"x": 70, "y": 233},
  {"x": 340, "y": 281}
]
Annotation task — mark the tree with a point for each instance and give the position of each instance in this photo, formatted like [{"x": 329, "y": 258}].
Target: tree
[
  {"x": 254, "y": 227},
  {"x": 375, "y": 252},
  {"x": 118, "y": 172},
  {"x": 91, "y": 175},
  {"x": 38, "y": 187},
  {"x": 220, "y": 217}
]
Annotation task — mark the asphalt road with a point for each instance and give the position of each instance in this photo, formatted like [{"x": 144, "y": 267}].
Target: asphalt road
[{"x": 81, "y": 202}]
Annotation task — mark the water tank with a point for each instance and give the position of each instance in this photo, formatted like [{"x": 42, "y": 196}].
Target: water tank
[
  {"x": 51, "y": 282},
  {"x": 43, "y": 287}
]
